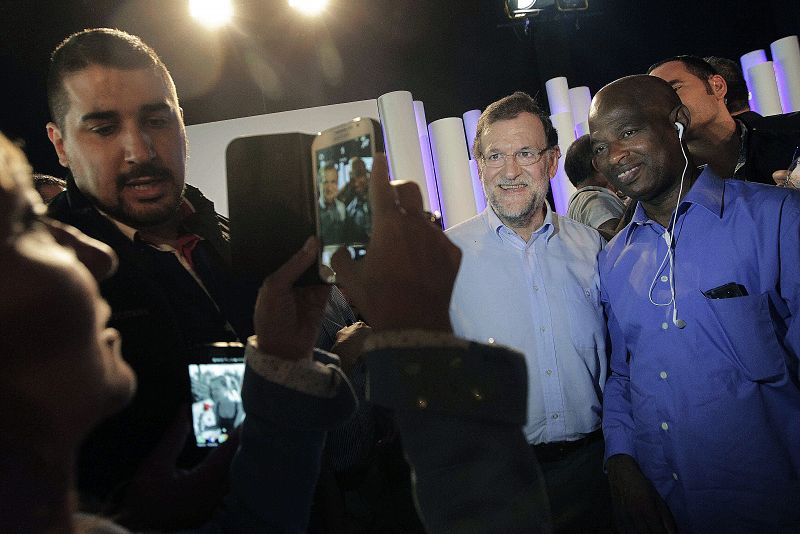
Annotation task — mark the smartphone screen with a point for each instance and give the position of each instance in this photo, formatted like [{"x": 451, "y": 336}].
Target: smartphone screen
[
  {"x": 342, "y": 160},
  {"x": 216, "y": 385}
]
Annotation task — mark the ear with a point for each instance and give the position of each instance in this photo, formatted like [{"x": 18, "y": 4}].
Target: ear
[
  {"x": 552, "y": 162},
  {"x": 54, "y": 134},
  {"x": 681, "y": 114},
  {"x": 718, "y": 86}
]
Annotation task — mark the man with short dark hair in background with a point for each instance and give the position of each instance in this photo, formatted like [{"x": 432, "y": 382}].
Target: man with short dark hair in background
[
  {"x": 528, "y": 280},
  {"x": 750, "y": 151},
  {"x": 737, "y": 98},
  {"x": 118, "y": 127},
  {"x": 595, "y": 203}
]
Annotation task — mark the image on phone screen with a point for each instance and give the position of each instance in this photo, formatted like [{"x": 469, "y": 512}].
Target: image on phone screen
[
  {"x": 342, "y": 159},
  {"x": 216, "y": 399}
]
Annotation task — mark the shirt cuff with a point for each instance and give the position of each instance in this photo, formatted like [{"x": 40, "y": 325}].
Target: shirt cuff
[
  {"x": 413, "y": 338},
  {"x": 305, "y": 375}
]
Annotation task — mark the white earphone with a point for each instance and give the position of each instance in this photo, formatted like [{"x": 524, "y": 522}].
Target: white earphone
[{"x": 669, "y": 239}]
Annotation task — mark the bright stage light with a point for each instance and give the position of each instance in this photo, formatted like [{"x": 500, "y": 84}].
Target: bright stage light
[
  {"x": 309, "y": 7},
  {"x": 211, "y": 13},
  {"x": 526, "y": 8}
]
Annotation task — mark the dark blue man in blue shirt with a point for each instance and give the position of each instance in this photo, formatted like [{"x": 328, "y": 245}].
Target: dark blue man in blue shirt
[{"x": 702, "y": 291}]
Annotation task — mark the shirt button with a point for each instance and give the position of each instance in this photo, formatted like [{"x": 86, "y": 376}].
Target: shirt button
[
  {"x": 675, "y": 476},
  {"x": 555, "y": 416},
  {"x": 663, "y": 375},
  {"x": 422, "y": 403},
  {"x": 536, "y": 288},
  {"x": 664, "y": 326},
  {"x": 664, "y": 278},
  {"x": 549, "y": 372},
  {"x": 664, "y": 426},
  {"x": 490, "y": 340},
  {"x": 542, "y": 328}
]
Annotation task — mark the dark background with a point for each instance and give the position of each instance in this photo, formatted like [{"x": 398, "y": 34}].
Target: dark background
[{"x": 452, "y": 55}]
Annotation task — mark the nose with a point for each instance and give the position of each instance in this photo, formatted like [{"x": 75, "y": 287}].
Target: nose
[
  {"x": 616, "y": 153},
  {"x": 510, "y": 166},
  {"x": 98, "y": 257},
  {"x": 138, "y": 146}
]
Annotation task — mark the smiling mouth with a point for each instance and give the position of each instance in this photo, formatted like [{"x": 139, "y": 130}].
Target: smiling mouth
[
  {"x": 628, "y": 175},
  {"x": 512, "y": 187}
]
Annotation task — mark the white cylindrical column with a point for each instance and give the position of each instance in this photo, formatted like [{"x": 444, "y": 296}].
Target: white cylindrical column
[
  {"x": 786, "y": 59},
  {"x": 581, "y": 129},
  {"x": 748, "y": 60},
  {"x": 560, "y": 184},
  {"x": 427, "y": 159},
  {"x": 471, "y": 127},
  {"x": 451, "y": 162},
  {"x": 765, "y": 89},
  {"x": 580, "y": 100},
  {"x": 403, "y": 150},
  {"x": 477, "y": 186},
  {"x": 558, "y": 95}
]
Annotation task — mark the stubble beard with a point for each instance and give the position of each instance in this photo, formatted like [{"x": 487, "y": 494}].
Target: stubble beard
[
  {"x": 521, "y": 217},
  {"x": 147, "y": 215}
]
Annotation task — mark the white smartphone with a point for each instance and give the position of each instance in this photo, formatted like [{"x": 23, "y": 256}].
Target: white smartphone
[{"x": 342, "y": 162}]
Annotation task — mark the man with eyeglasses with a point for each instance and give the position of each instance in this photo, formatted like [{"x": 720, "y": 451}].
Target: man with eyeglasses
[{"x": 529, "y": 280}]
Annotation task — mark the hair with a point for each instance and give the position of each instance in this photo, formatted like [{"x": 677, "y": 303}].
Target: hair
[
  {"x": 578, "y": 161},
  {"x": 736, "y": 98},
  {"x": 98, "y": 46},
  {"x": 696, "y": 65},
  {"x": 510, "y": 107}
]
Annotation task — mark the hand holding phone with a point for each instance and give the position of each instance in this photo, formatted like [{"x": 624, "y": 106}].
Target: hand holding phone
[
  {"x": 407, "y": 278},
  {"x": 287, "y": 317}
]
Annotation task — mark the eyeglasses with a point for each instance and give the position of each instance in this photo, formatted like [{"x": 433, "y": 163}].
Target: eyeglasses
[{"x": 523, "y": 157}]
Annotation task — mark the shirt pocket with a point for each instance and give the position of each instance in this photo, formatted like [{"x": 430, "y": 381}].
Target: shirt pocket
[
  {"x": 747, "y": 336},
  {"x": 587, "y": 327}
]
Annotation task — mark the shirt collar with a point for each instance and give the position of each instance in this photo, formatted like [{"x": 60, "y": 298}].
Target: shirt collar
[
  {"x": 707, "y": 191},
  {"x": 548, "y": 228}
]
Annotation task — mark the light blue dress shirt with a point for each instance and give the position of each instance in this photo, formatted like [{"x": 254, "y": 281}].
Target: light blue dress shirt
[
  {"x": 540, "y": 297},
  {"x": 711, "y": 412}
]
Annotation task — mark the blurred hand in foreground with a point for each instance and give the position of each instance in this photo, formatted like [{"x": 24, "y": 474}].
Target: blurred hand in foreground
[
  {"x": 407, "y": 276},
  {"x": 287, "y": 317}
]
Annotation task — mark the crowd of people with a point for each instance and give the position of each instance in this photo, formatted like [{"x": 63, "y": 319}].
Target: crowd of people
[{"x": 630, "y": 368}]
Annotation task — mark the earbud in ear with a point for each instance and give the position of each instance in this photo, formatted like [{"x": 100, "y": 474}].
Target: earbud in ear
[{"x": 679, "y": 127}]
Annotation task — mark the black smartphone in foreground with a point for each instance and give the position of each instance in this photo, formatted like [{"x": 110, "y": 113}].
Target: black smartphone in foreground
[
  {"x": 271, "y": 202},
  {"x": 215, "y": 377}
]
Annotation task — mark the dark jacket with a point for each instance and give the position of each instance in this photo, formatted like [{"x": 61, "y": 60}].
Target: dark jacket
[
  {"x": 162, "y": 315},
  {"x": 770, "y": 144}
]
